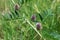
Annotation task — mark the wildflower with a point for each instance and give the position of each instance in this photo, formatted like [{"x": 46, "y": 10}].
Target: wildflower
[
  {"x": 17, "y": 7},
  {"x": 38, "y": 26},
  {"x": 33, "y": 17}
]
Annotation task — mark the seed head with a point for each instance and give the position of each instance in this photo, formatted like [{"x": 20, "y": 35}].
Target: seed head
[
  {"x": 17, "y": 7},
  {"x": 38, "y": 26},
  {"x": 33, "y": 17}
]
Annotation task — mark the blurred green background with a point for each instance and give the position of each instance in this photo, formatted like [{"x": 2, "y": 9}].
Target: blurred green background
[{"x": 13, "y": 27}]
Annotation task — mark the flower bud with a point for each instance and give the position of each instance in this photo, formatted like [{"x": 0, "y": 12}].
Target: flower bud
[
  {"x": 17, "y": 7},
  {"x": 38, "y": 26},
  {"x": 33, "y": 17}
]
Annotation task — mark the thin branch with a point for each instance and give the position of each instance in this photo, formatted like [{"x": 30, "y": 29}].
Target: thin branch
[{"x": 34, "y": 29}]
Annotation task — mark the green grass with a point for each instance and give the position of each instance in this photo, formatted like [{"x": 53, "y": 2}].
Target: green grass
[{"x": 22, "y": 27}]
